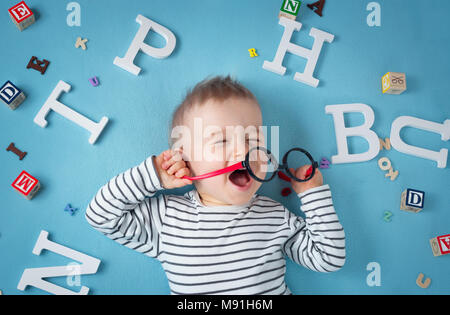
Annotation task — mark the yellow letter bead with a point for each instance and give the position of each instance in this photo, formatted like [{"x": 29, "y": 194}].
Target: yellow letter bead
[{"x": 252, "y": 52}]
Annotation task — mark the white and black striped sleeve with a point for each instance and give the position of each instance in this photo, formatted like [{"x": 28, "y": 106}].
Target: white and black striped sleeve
[
  {"x": 122, "y": 211},
  {"x": 317, "y": 242}
]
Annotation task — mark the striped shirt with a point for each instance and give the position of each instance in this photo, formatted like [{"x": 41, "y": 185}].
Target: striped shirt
[{"x": 238, "y": 250}]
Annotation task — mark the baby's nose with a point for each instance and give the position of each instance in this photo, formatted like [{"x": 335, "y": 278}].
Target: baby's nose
[{"x": 239, "y": 153}]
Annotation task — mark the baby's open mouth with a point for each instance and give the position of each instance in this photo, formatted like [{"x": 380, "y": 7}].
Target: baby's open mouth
[{"x": 240, "y": 177}]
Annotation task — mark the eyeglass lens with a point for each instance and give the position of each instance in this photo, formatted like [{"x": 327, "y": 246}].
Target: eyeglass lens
[
  {"x": 296, "y": 159},
  {"x": 262, "y": 164}
]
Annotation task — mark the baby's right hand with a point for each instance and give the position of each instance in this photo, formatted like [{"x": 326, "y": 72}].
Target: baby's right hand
[{"x": 171, "y": 168}]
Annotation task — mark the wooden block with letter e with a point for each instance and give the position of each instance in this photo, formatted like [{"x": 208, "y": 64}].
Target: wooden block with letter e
[{"x": 21, "y": 15}]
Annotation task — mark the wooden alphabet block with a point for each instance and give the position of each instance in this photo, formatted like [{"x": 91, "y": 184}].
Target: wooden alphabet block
[
  {"x": 11, "y": 95},
  {"x": 412, "y": 200},
  {"x": 440, "y": 245},
  {"x": 289, "y": 9},
  {"x": 394, "y": 83},
  {"x": 21, "y": 15},
  {"x": 26, "y": 185}
]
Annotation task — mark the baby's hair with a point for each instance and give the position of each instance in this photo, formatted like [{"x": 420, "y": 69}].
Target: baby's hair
[{"x": 218, "y": 88}]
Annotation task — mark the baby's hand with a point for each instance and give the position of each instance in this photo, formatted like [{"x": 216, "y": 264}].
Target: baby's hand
[
  {"x": 300, "y": 187},
  {"x": 171, "y": 168}
]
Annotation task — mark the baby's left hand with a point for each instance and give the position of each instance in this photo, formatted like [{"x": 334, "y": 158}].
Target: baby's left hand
[{"x": 300, "y": 187}]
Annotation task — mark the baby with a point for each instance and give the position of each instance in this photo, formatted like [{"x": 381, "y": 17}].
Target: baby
[{"x": 221, "y": 237}]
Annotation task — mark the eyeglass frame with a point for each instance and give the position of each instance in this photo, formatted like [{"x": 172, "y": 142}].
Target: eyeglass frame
[
  {"x": 246, "y": 164},
  {"x": 282, "y": 167}
]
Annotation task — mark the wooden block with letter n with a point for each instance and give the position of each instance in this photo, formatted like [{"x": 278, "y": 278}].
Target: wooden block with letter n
[
  {"x": 21, "y": 15},
  {"x": 289, "y": 9},
  {"x": 394, "y": 83},
  {"x": 26, "y": 185}
]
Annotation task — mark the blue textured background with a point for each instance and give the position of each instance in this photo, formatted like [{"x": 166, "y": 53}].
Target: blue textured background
[{"x": 213, "y": 38}]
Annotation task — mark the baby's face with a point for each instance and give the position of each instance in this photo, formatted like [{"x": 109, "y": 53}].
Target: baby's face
[{"x": 230, "y": 128}]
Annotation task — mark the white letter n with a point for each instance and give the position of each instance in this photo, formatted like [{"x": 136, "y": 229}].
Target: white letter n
[
  {"x": 35, "y": 276},
  {"x": 312, "y": 55}
]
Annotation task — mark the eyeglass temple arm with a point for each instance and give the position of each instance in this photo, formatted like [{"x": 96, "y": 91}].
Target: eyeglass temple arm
[
  {"x": 225, "y": 170},
  {"x": 310, "y": 169},
  {"x": 308, "y": 172}
]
